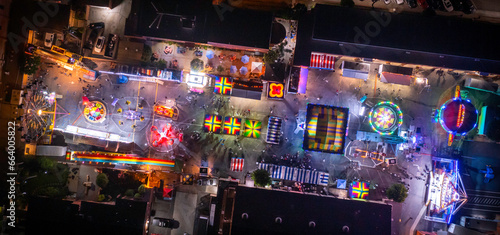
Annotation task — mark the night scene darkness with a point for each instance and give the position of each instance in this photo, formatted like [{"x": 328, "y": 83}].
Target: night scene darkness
[{"x": 250, "y": 117}]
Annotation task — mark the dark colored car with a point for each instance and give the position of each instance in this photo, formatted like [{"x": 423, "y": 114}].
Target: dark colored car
[
  {"x": 423, "y": 4},
  {"x": 468, "y": 7},
  {"x": 166, "y": 223},
  {"x": 97, "y": 25},
  {"x": 412, "y": 3},
  {"x": 435, "y": 4}
]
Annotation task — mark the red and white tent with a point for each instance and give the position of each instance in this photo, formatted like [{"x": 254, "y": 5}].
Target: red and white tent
[
  {"x": 322, "y": 61},
  {"x": 237, "y": 164}
]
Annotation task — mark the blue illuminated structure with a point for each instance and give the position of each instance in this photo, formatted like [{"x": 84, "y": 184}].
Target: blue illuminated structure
[{"x": 446, "y": 192}]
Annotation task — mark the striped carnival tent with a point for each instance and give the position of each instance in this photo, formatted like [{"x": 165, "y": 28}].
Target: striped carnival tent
[
  {"x": 322, "y": 61},
  {"x": 323, "y": 178},
  {"x": 301, "y": 175},
  {"x": 296, "y": 174},
  {"x": 265, "y": 166},
  {"x": 237, "y": 164},
  {"x": 288, "y": 173},
  {"x": 313, "y": 177}
]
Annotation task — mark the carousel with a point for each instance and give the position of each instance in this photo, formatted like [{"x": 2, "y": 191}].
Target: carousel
[{"x": 94, "y": 111}]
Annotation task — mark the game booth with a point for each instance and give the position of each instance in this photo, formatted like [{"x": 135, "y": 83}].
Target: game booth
[
  {"x": 385, "y": 118},
  {"x": 446, "y": 193},
  {"x": 197, "y": 81},
  {"x": 296, "y": 174},
  {"x": 116, "y": 158},
  {"x": 223, "y": 85},
  {"x": 326, "y": 128},
  {"x": 297, "y": 82},
  {"x": 232, "y": 126},
  {"x": 274, "y": 130},
  {"x": 359, "y": 190},
  {"x": 355, "y": 70}
]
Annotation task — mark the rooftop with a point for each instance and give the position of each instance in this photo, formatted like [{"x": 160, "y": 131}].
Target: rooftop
[
  {"x": 405, "y": 38},
  {"x": 211, "y": 24},
  {"x": 329, "y": 214}
]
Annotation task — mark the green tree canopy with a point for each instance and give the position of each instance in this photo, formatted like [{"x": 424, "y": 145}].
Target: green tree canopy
[
  {"x": 196, "y": 65},
  {"x": 129, "y": 193},
  {"x": 261, "y": 177},
  {"x": 397, "y": 192},
  {"x": 271, "y": 56},
  {"x": 102, "y": 180},
  {"x": 137, "y": 196},
  {"x": 101, "y": 197},
  {"x": 31, "y": 64},
  {"x": 142, "y": 189},
  {"x": 46, "y": 163}
]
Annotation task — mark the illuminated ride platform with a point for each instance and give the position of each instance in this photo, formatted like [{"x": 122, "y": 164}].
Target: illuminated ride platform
[
  {"x": 117, "y": 158},
  {"x": 457, "y": 116},
  {"x": 163, "y": 137},
  {"x": 385, "y": 118},
  {"x": 94, "y": 111},
  {"x": 446, "y": 193}
]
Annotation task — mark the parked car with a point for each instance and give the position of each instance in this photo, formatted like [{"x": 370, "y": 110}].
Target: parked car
[
  {"x": 110, "y": 48},
  {"x": 423, "y": 4},
  {"x": 99, "y": 44},
  {"x": 97, "y": 25},
  {"x": 400, "y": 2},
  {"x": 447, "y": 5},
  {"x": 49, "y": 39},
  {"x": 167, "y": 223},
  {"x": 412, "y": 3},
  {"x": 387, "y": 2},
  {"x": 468, "y": 7},
  {"x": 434, "y": 4}
]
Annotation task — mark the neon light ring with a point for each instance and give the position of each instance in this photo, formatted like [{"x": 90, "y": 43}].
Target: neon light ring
[
  {"x": 95, "y": 112},
  {"x": 458, "y": 116},
  {"x": 385, "y": 118}
]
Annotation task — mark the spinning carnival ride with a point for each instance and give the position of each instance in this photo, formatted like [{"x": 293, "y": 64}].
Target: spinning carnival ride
[
  {"x": 457, "y": 116},
  {"x": 385, "y": 118},
  {"x": 166, "y": 135}
]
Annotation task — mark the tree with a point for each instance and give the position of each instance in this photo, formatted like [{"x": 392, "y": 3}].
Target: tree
[
  {"x": 129, "y": 193},
  {"x": 196, "y": 65},
  {"x": 146, "y": 53},
  {"x": 31, "y": 64},
  {"x": 101, "y": 197},
  {"x": 137, "y": 196},
  {"x": 347, "y": 3},
  {"x": 102, "y": 180},
  {"x": 397, "y": 192},
  {"x": 142, "y": 189},
  {"x": 271, "y": 56},
  {"x": 261, "y": 177},
  {"x": 220, "y": 69},
  {"x": 46, "y": 163}
]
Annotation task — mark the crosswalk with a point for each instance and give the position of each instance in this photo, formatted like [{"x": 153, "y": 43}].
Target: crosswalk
[{"x": 482, "y": 200}]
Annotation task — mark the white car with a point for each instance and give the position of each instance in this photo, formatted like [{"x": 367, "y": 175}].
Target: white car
[
  {"x": 49, "y": 39},
  {"x": 387, "y": 2},
  {"x": 400, "y": 2},
  {"x": 447, "y": 5},
  {"x": 99, "y": 44}
]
